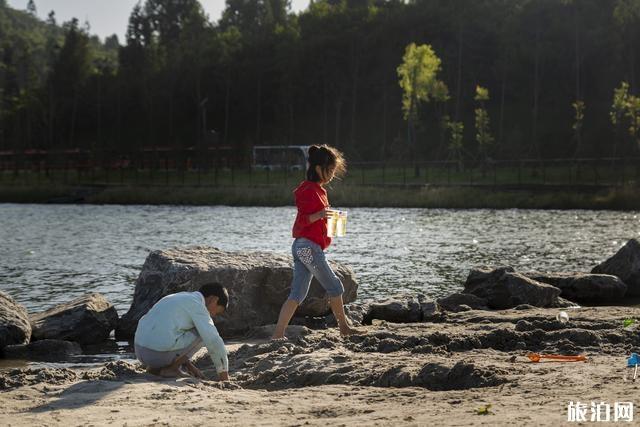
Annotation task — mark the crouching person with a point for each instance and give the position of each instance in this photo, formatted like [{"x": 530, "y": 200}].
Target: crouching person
[{"x": 179, "y": 325}]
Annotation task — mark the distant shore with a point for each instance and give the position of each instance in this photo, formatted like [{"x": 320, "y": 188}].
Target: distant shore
[{"x": 455, "y": 197}]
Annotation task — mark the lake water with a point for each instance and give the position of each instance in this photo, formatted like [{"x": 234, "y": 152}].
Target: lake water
[{"x": 50, "y": 254}]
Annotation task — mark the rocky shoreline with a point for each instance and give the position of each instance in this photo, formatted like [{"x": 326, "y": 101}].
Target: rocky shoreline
[{"x": 464, "y": 354}]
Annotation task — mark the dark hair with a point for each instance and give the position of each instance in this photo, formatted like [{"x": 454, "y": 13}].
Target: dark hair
[
  {"x": 326, "y": 157},
  {"x": 216, "y": 290}
]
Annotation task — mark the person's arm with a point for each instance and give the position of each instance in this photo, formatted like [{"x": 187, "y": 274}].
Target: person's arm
[
  {"x": 310, "y": 207},
  {"x": 211, "y": 339},
  {"x": 324, "y": 213}
]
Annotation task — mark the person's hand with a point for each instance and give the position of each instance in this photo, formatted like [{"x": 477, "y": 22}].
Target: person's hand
[
  {"x": 324, "y": 213},
  {"x": 223, "y": 376}
]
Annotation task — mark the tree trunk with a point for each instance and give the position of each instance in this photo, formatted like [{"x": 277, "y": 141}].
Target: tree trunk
[
  {"x": 150, "y": 140},
  {"x": 73, "y": 117},
  {"x": 355, "y": 65},
  {"x": 171, "y": 116},
  {"x": 325, "y": 109},
  {"x": 29, "y": 142},
  {"x": 200, "y": 132},
  {"x": 336, "y": 141},
  {"x": 503, "y": 89},
  {"x": 291, "y": 117},
  {"x": 258, "y": 109},
  {"x": 578, "y": 94},
  {"x": 119, "y": 115},
  {"x": 226, "y": 108},
  {"x": 459, "y": 77},
  {"x": 384, "y": 121},
  {"x": 51, "y": 116},
  {"x": 99, "y": 112},
  {"x": 632, "y": 58},
  {"x": 536, "y": 91}
]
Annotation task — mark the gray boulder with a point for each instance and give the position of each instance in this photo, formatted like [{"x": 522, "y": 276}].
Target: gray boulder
[
  {"x": 403, "y": 309},
  {"x": 462, "y": 302},
  {"x": 584, "y": 288},
  {"x": 44, "y": 350},
  {"x": 626, "y": 265},
  {"x": 258, "y": 283},
  {"x": 503, "y": 288},
  {"x": 88, "y": 319},
  {"x": 14, "y": 322}
]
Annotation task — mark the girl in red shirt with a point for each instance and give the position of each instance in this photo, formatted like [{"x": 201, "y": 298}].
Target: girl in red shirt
[{"x": 310, "y": 234}]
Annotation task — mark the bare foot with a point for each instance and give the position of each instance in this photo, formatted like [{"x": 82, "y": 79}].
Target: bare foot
[
  {"x": 345, "y": 332},
  {"x": 279, "y": 338},
  {"x": 172, "y": 372}
]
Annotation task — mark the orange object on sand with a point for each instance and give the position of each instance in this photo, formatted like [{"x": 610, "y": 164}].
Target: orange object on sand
[{"x": 535, "y": 357}]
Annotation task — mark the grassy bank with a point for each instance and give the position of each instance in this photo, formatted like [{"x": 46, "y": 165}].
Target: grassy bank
[{"x": 342, "y": 195}]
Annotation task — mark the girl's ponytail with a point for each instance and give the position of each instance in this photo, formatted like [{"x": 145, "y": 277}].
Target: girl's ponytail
[{"x": 327, "y": 158}]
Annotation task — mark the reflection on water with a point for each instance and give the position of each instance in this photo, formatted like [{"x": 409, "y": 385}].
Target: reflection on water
[{"x": 53, "y": 253}]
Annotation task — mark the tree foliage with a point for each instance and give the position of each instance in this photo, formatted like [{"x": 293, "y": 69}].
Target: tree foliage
[
  {"x": 482, "y": 122},
  {"x": 418, "y": 78},
  {"x": 359, "y": 74}
]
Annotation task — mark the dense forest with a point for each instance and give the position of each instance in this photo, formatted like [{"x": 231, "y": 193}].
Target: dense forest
[{"x": 516, "y": 78}]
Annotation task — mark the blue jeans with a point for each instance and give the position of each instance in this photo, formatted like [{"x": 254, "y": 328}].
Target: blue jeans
[{"x": 309, "y": 261}]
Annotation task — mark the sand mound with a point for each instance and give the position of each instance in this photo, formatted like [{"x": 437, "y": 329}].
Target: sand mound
[
  {"x": 436, "y": 356},
  {"x": 29, "y": 376},
  {"x": 465, "y": 350},
  {"x": 325, "y": 358},
  {"x": 113, "y": 371}
]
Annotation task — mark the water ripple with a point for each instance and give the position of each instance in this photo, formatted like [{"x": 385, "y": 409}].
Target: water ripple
[{"x": 53, "y": 253}]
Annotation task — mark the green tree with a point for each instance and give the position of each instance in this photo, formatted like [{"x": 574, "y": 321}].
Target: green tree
[
  {"x": 456, "y": 144},
  {"x": 633, "y": 115},
  {"x": 230, "y": 46},
  {"x": 625, "y": 110},
  {"x": 418, "y": 79},
  {"x": 70, "y": 71},
  {"x": 483, "y": 131},
  {"x": 618, "y": 111}
]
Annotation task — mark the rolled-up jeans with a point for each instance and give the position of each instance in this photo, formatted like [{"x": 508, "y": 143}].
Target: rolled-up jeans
[
  {"x": 154, "y": 359},
  {"x": 308, "y": 262}
]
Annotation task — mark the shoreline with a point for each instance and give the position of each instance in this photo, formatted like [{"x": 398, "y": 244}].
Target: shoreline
[{"x": 433, "y": 197}]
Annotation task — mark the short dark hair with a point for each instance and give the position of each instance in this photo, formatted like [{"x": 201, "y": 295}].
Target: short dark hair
[{"x": 216, "y": 290}]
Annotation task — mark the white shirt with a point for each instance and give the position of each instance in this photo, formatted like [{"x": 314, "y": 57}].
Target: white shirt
[{"x": 175, "y": 321}]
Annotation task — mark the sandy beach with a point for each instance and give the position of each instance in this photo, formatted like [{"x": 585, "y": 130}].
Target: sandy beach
[{"x": 468, "y": 368}]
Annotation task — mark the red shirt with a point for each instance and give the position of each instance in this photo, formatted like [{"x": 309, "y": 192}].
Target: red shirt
[{"x": 311, "y": 198}]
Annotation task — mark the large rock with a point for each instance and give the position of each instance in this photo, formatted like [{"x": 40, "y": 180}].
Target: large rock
[
  {"x": 14, "y": 322},
  {"x": 402, "y": 309},
  {"x": 503, "y": 288},
  {"x": 44, "y": 350},
  {"x": 584, "y": 288},
  {"x": 462, "y": 302},
  {"x": 88, "y": 319},
  {"x": 626, "y": 265},
  {"x": 258, "y": 283}
]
